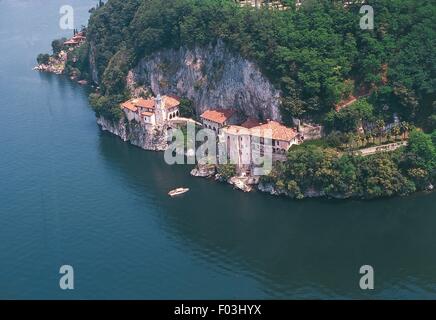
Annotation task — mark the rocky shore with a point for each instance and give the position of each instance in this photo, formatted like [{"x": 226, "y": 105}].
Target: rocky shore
[
  {"x": 246, "y": 184},
  {"x": 56, "y": 64}
]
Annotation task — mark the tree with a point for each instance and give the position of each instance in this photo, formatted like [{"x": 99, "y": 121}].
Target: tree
[
  {"x": 43, "y": 58},
  {"x": 107, "y": 106},
  {"x": 433, "y": 138},
  {"x": 350, "y": 118},
  {"x": 380, "y": 127},
  {"x": 396, "y": 131},
  {"x": 313, "y": 54},
  {"x": 294, "y": 190},
  {"x": 421, "y": 145},
  {"x": 404, "y": 127},
  {"x": 369, "y": 137},
  {"x": 187, "y": 108},
  {"x": 57, "y": 45},
  {"x": 226, "y": 171},
  {"x": 381, "y": 177}
]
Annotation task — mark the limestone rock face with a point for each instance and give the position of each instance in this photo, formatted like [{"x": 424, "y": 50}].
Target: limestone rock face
[
  {"x": 141, "y": 135},
  {"x": 92, "y": 64},
  {"x": 212, "y": 77}
]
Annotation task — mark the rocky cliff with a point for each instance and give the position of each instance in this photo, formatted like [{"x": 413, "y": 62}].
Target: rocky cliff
[
  {"x": 212, "y": 76},
  {"x": 144, "y": 136},
  {"x": 92, "y": 64}
]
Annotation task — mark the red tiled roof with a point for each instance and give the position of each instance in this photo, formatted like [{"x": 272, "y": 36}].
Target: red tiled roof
[
  {"x": 278, "y": 131},
  {"x": 144, "y": 103},
  {"x": 78, "y": 37},
  {"x": 218, "y": 116},
  {"x": 129, "y": 105},
  {"x": 250, "y": 123},
  {"x": 171, "y": 101},
  {"x": 134, "y": 104},
  {"x": 147, "y": 114},
  {"x": 71, "y": 41}
]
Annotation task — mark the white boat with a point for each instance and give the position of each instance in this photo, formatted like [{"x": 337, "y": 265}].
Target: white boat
[{"x": 177, "y": 192}]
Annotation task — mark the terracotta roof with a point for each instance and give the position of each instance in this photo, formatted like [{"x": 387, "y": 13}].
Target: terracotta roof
[
  {"x": 219, "y": 116},
  {"x": 171, "y": 101},
  {"x": 278, "y": 131},
  {"x": 250, "y": 123},
  {"x": 71, "y": 41},
  {"x": 134, "y": 104},
  {"x": 78, "y": 37},
  {"x": 129, "y": 105},
  {"x": 144, "y": 103}
]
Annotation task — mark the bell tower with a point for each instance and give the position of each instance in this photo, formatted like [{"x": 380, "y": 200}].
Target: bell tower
[{"x": 160, "y": 111}]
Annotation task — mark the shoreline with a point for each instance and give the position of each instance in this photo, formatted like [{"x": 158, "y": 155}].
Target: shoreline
[
  {"x": 210, "y": 172},
  {"x": 146, "y": 139}
]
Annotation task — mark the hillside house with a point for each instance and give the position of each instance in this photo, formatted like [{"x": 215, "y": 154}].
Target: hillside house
[
  {"x": 76, "y": 40},
  {"x": 216, "y": 119},
  {"x": 152, "y": 111},
  {"x": 247, "y": 143},
  {"x": 275, "y": 138},
  {"x": 236, "y": 141}
]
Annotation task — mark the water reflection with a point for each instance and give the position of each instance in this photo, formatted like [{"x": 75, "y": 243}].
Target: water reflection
[
  {"x": 307, "y": 249},
  {"x": 63, "y": 201}
]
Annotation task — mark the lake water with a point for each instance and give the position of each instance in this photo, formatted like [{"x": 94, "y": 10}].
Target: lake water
[{"x": 72, "y": 194}]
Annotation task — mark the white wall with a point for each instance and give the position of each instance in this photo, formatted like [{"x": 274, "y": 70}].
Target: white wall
[{"x": 211, "y": 125}]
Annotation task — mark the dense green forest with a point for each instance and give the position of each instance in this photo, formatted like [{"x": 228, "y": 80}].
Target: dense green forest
[
  {"x": 318, "y": 56},
  {"x": 324, "y": 170}
]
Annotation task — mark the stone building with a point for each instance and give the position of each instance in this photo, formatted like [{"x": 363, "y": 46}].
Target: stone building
[
  {"x": 153, "y": 111},
  {"x": 247, "y": 144},
  {"x": 216, "y": 119}
]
